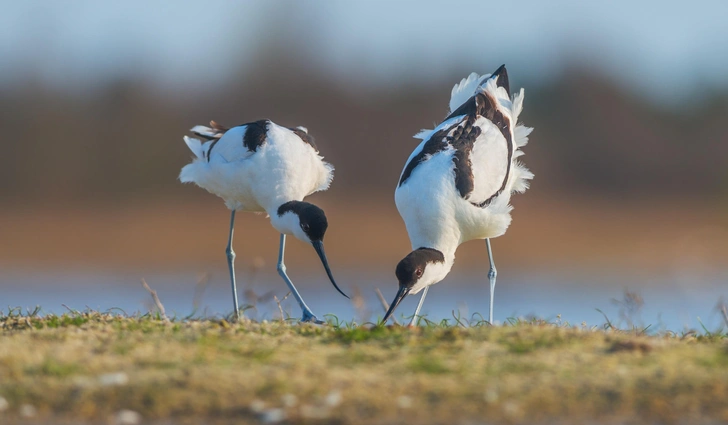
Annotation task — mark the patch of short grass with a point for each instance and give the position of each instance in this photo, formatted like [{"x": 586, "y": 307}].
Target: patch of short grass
[
  {"x": 85, "y": 366},
  {"x": 52, "y": 367},
  {"x": 428, "y": 364}
]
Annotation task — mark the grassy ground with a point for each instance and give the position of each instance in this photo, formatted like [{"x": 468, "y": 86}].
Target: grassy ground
[{"x": 102, "y": 368}]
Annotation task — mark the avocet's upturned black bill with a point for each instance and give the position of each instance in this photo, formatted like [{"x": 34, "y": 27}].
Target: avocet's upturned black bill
[
  {"x": 264, "y": 167},
  {"x": 457, "y": 184}
]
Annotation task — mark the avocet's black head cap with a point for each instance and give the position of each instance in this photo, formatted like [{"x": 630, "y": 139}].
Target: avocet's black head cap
[
  {"x": 410, "y": 270},
  {"x": 312, "y": 218},
  {"x": 314, "y": 224},
  {"x": 412, "y": 267}
]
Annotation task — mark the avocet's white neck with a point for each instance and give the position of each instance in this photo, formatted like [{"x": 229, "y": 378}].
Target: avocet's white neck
[
  {"x": 285, "y": 223},
  {"x": 289, "y": 223},
  {"x": 271, "y": 203},
  {"x": 443, "y": 238}
]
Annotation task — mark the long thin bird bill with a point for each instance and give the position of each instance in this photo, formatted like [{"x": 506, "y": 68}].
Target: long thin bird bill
[
  {"x": 403, "y": 291},
  {"x": 319, "y": 247}
]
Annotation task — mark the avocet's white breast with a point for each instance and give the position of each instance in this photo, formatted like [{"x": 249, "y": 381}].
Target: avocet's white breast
[{"x": 427, "y": 203}]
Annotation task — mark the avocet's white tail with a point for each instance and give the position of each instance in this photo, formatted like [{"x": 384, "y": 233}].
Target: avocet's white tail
[
  {"x": 192, "y": 172},
  {"x": 195, "y": 146},
  {"x": 464, "y": 90},
  {"x": 521, "y": 175},
  {"x": 213, "y": 132}
]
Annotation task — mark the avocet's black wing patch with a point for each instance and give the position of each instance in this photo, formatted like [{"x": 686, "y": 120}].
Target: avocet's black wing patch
[
  {"x": 307, "y": 138},
  {"x": 255, "y": 134},
  {"x": 479, "y": 105},
  {"x": 436, "y": 143},
  {"x": 463, "y": 136},
  {"x": 462, "y": 140}
]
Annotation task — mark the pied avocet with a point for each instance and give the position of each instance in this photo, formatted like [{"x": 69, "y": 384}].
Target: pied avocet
[
  {"x": 264, "y": 167},
  {"x": 457, "y": 184}
]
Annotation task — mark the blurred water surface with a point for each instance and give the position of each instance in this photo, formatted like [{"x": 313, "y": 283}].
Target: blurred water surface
[{"x": 672, "y": 302}]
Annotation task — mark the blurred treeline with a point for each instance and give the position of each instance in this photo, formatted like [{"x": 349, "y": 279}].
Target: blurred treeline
[{"x": 124, "y": 140}]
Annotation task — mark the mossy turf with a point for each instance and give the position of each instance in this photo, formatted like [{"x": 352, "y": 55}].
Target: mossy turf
[{"x": 87, "y": 367}]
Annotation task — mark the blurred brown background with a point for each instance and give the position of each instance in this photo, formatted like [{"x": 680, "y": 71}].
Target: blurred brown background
[{"x": 630, "y": 148}]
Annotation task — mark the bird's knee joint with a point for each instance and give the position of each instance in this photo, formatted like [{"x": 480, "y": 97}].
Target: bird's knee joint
[
  {"x": 230, "y": 253},
  {"x": 281, "y": 268},
  {"x": 492, "y": 273}
]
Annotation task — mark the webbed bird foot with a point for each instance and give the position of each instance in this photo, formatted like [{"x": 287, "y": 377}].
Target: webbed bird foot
[{"x": 309, "y": 317}]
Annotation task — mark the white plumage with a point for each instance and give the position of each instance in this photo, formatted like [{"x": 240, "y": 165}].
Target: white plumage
[
  {"x": 264, "y": 167},
  {"x": 282, "y": 169},
  {"x": 456, "y": 185}
]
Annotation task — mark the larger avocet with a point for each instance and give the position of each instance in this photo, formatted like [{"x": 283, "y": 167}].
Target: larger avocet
[
  {"x": 264, "y": 167},
  {"x": 457, "y": 184}
]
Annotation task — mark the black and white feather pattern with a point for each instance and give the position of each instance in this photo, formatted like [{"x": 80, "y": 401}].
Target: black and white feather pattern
[
  {"x": 484, "y": 141},
  {"x": 255, "y": 166},
  {"x": 457, "y": 184}
]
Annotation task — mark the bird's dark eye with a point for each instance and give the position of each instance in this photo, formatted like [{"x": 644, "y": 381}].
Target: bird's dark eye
[
  {"x": 305, "y": 227},
  {"x": 418, "y": 272}
]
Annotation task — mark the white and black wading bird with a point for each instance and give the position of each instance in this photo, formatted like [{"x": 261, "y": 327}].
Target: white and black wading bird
[
  {"x": 264, "y": 167},
  {"x": 457, "y": 184}
]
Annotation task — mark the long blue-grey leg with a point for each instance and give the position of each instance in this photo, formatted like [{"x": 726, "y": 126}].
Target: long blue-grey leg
[
  {"x": 308, "y": 315},
  {"x": 231, "y": 265},
  {"x": 492, "y": 273},
  {"x": 419, "y": 306}
]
